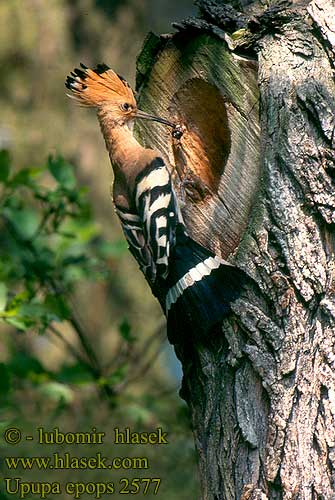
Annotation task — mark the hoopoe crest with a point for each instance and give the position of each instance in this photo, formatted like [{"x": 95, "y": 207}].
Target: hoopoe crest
[{"x": 107, "y": 91}]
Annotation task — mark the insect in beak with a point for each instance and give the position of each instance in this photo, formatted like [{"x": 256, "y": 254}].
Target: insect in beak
[{"x": 146, "y": 116}]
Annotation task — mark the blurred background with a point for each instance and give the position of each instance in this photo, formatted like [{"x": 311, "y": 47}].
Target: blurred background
[{"x": 82, "y": 341}]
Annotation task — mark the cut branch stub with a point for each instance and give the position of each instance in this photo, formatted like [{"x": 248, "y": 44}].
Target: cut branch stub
[{"x": 197, "y": 82}]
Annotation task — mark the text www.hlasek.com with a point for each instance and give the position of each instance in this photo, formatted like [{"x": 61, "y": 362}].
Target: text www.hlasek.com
[{"x": 66, "y": 461}]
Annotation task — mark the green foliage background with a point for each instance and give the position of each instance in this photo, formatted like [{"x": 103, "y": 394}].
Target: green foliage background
[{"x": 82, "y": 342}]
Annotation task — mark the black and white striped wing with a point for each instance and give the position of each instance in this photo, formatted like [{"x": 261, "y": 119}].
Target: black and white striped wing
[
  {"x": 133, "y": 230},
  {"x": 198, "y": 286},
  {"x": 158, "y": 210}
]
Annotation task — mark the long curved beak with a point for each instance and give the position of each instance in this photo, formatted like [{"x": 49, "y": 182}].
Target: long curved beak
[{"x": 146, "y": 116}]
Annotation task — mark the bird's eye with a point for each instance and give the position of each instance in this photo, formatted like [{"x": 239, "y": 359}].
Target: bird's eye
[{"x": 125, "y": 106}]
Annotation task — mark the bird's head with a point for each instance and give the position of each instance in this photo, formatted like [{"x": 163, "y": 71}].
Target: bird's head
[{"x": 109, "y": 93}]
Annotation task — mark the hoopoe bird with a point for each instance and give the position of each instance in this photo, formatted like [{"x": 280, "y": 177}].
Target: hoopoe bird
[{"x": 194, "y": 287}]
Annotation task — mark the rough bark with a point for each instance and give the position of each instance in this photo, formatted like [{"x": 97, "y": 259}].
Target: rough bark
[{"x": 262, "y": 396}]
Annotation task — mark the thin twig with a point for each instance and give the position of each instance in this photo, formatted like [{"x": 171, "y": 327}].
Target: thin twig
[
  {"x": 42, "y": 224},
  {"x": 157, "y": 333},
  {"x": 142, "y": 370},
  {"x": 69, "y": 346}
]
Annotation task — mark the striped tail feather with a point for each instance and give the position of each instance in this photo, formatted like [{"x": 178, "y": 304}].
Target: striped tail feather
[{"x": 201, "y": 289}]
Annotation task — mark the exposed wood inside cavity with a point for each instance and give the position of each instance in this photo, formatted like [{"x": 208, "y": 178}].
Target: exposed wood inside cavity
[{"x": 206, "y": 141}]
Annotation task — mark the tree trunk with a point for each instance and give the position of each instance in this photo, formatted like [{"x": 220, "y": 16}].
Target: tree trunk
[{"x": 261, "y": 396}]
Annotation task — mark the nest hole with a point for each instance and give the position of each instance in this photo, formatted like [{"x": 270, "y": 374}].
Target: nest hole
[{"x": 206, "y": 143}]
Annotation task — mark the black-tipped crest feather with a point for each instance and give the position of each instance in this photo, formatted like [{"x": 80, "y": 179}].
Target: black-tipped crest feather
[
  {"x": 80, "y": 73},
  {"x": 101, "y": 68}
]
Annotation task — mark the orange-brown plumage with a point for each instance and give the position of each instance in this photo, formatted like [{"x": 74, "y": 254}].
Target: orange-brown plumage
[{"x": 101, "y": 87}]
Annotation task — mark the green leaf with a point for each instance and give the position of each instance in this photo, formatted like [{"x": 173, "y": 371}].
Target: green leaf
[
  {"x": 17, "y": 300},
  {"x": 116, "y": 377},
  {"x": 115, "y": 249},
  {"x": 72, "y": 274},
  {"x": 3, "y": 296},
  {"x": 21, "y": 365},
  {"x": 26, "y": 177},
  {"x": 75, "y": 374},
  {"x": 5, "y": 382},
  {"x": 57, "y": 392},
  {"x": 138, "y": 414},
  {"x": 56, "y": 306},
  {"x": 19, "y": 323},
  {"x": 33, "y": 310},
  {"x": 25, "y": 221},
  {"x": 4, "y": 165},
  {"x": 37, "y": 314},
  {"x": 125, "y": 331},
  {"x": 62, "y": 172}
]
